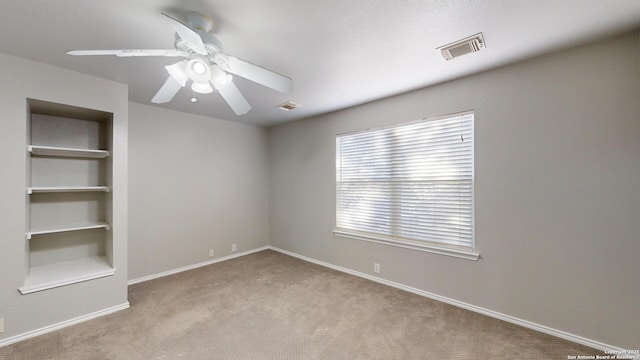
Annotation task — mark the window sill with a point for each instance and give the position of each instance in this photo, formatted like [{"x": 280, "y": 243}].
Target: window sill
[{"x": 442, "y": 250}]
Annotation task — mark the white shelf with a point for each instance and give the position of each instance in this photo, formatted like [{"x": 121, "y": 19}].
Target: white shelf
[
  {"x": 50, "y": 189},
  {"x": 66, "y": 273},
  {"x": 74, "y": 227},
  {"x": 66, "y": 152}
]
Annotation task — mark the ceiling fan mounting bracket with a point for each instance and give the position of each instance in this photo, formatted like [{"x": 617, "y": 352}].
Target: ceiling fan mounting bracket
[{"x": 200, "y": 21}]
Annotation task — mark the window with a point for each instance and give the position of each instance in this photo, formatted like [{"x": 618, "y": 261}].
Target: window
[{"x": 409, "y": 185}]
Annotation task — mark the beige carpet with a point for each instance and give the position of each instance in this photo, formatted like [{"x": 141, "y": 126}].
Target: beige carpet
[{"x": 272, "y": 306}]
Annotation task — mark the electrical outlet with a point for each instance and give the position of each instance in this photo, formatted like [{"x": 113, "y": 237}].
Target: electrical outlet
[
  {"x": 376, "y": 268},
  {"x": 210, "y": 252},
  {"x": 1, "y": 325},
  {"x": 234, "y": 247}
]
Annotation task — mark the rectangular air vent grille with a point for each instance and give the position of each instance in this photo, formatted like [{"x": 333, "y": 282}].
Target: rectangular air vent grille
[
  {"x": 462, "y": 47},
  {"x": 288, "y": 106}
]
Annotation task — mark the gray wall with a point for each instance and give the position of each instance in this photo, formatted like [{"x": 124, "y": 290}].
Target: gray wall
[
  {"x": 557, "y": 204},
  {"x": 195, "y": 183},
  {"x": 22, "y": 79}
]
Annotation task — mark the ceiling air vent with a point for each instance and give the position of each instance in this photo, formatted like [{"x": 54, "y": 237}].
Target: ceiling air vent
[
  {"x": 288, "y": 106},
  {"x": 462, "y": 47}
]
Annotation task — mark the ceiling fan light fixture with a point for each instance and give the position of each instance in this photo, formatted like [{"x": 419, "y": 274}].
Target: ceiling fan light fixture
[
  {"x": 219, "y": 77},
  {"x": 177, "y": 72},
  {"x": 199, "y": 68},
  {"x": 201, "y": 87}
]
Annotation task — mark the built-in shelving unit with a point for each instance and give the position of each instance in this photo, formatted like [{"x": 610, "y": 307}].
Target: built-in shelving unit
[{"x": 68, "y": 236}]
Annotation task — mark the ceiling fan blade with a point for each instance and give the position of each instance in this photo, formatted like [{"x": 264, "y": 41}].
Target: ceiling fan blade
[
  {"x": 167, "y": 91},
  {"x": 129, "y": 53},
  {"x": 188, "y": 35},
  {"x": 255, "y": 73},
  {"x": 234, "y": 98}
]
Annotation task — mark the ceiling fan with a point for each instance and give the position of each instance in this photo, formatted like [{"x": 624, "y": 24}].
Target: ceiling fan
[{"x": 205, "y": 65}]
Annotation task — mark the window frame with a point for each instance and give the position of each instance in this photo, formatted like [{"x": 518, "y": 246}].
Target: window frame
[{"x": 458, "y": 251}]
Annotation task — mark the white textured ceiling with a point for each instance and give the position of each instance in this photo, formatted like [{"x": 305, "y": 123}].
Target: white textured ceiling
[{"x": 339, "y": 53}]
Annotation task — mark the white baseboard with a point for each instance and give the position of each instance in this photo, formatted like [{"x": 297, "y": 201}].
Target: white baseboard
[
  {"x": 194, "y": 266},
  {"x": 62, "y": 324},
  {"x": 494, "y": 314}
]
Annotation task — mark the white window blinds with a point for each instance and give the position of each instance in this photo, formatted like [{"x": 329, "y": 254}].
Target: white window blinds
[{"x": 411, "y": 182}]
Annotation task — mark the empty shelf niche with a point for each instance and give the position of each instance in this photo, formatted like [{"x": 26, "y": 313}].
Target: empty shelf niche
[
  {"x": 59, "y": 258},
  {"x": 69, "y": 238},
  {"x": 64, "y": 212}
]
